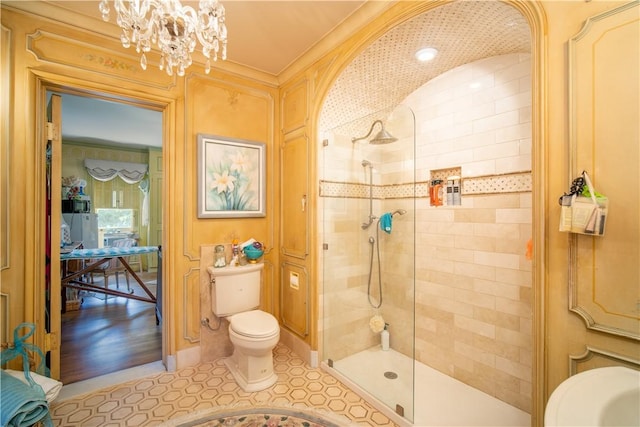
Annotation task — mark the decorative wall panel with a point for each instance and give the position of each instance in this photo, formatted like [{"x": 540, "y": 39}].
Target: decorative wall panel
[
  {"x": 5, "y": 164},
  {"x": 190, "y": 305},
  {"x": 294, "y": 297},
  {"x": 605, "y": 106},
  {"x": 89, "y": 57},
  {"x": 597, "y": 358},
  {"x": 295, "y": 211},
  {"x": 233, "y": 110},
  {"x": 295, "y": 107}
]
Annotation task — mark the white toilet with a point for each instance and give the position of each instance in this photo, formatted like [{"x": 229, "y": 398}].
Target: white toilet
[{"x": 235, "y": 294}]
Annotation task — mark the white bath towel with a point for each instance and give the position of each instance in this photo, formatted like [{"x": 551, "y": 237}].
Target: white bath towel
[{"x": 50, "y": 386}]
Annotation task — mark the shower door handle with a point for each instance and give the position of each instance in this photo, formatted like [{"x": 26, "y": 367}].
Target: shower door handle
[{"x": 303, "y": 202}]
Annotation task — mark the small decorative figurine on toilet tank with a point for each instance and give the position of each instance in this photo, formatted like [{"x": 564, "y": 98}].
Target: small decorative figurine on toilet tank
[{"x": 253, "y": 251}]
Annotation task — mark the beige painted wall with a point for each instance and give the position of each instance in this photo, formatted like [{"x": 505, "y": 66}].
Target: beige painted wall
[
  {"x": 48, "y": 54},
  {"x": 566, "y": 332}
]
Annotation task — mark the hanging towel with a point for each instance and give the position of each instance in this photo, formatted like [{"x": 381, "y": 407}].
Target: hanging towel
[{"x": 385, "y": 222}]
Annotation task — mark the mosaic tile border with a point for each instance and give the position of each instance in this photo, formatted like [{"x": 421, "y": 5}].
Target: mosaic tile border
[{"x": 517, "y": 182}]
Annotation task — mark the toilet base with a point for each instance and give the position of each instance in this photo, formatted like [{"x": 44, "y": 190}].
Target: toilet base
[{"x": 252, "y": 373}]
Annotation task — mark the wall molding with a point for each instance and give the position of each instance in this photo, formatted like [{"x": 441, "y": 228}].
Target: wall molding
[
  {"x": 57, "y": 49},
  {"x": 607, "y": 357}
]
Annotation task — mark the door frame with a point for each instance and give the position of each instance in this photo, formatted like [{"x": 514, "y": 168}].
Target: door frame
[{"x": 36, "y": 302}]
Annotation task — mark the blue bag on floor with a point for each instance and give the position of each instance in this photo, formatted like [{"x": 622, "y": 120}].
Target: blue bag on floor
[{"x": 22, "y": 404}]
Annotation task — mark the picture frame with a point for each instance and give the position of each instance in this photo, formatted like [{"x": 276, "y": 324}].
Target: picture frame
[{"x": 231, "y": 177}]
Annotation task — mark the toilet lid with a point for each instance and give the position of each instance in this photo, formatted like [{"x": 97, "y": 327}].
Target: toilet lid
[{"x": 254, "y": 323}]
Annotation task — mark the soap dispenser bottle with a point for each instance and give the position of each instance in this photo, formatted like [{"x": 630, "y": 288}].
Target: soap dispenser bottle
[{"x": 384, "y": 337}]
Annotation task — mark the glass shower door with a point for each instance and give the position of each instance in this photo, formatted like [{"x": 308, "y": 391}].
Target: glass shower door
[{"x": 367, "y": 199}]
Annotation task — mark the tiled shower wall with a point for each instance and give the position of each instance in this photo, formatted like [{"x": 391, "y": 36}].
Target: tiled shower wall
[
  {"x": 473, "y": 281},
  {"x": 472, "y": 277}
]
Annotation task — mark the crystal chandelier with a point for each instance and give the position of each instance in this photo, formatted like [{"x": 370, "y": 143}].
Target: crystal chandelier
[{"x": 176, "y": 29}]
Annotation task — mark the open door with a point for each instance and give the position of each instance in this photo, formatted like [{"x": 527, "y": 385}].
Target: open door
[{"x": 52, "y": 288}]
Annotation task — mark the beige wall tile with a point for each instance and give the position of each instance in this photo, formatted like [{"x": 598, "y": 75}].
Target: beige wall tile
[
  {"x": 496, "y": 259},
  {"x": 514, "y": 246},
  {"x": 482, "y": 243},
  {"x": 472, "y": 353},
  {"x": 516, "y": 369},
  {"x": 514, "y": 277},
  {"x": 475, "y": 299},
  {"x": 475, "y": 215},
  {"x": 496, "y": 230},
  {"x": 481, "y": 328},
  {"x": 497, "y": 201},
  {"x": 510, "y": 216},
  {"x": 475, "y": 270}
]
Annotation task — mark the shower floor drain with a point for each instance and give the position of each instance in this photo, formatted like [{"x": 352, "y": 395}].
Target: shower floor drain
[{"x": 390, "y": 375}]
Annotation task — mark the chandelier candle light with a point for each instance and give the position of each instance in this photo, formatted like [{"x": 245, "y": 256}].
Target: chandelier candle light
[{"x": 176, "y": 29}]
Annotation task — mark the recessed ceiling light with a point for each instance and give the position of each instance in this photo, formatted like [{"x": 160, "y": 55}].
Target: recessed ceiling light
[{"x": 426, "y": 54}]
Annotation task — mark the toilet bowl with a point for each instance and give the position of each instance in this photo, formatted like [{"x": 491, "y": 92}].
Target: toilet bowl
[
  {"x": 253, "y": 334},
  {"x": 235, "y": 295}
]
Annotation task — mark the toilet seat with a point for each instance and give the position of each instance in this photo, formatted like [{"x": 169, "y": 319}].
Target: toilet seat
[{"x": 254, "y": 324}]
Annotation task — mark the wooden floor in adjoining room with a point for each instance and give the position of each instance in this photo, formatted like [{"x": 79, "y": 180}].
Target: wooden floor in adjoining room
[{"x": 106, "y": 336}]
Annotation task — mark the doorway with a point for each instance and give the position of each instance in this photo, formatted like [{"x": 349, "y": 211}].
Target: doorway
[{"x": 102, "y": 333}]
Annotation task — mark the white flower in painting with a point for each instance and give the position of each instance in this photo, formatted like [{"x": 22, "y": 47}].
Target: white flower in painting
[
  {"x": 239, "y": 162},
  {"x": 223, "y": 182},
  {"x": 376, "y": 324}
]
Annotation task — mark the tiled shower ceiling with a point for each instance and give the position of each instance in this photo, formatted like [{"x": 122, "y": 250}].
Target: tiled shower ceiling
[{"x": 386, "y": 72}]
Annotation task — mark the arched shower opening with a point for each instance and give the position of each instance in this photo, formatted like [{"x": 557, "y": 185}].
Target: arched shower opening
[{"x": 452, "y": 284}]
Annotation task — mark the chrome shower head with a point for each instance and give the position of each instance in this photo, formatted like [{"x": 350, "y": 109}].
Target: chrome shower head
[
  {"x": 399, "y": 211},
  {"x": 366, "y": 163},
  {"x": 382, "y": 137}
]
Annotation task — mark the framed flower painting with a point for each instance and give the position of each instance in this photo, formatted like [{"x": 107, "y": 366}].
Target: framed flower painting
[{"x": 231, "y": 177}]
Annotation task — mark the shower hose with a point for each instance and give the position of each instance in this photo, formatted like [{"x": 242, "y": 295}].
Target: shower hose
[{"x": 375, "y": 247}]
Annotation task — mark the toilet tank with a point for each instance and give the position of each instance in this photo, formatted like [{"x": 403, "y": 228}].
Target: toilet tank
[{"x": 235, "y": 289}]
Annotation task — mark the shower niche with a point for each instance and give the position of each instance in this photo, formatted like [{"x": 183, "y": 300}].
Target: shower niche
[{"x": 445, "y": 187}]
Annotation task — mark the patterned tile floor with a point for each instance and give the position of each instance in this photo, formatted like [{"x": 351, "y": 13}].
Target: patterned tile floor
[{"x": 161, "y": 397}]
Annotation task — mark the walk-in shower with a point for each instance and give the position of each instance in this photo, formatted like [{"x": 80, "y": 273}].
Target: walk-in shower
[
  {"x": 368, "y": 270},
  {"x": 457, "y": 287}
]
